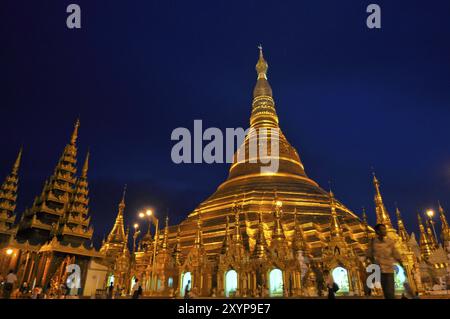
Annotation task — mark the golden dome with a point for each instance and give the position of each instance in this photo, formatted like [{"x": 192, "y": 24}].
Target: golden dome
[{"x": 248, "y": 184}]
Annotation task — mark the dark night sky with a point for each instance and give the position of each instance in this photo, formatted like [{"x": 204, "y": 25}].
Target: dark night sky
[{"x": 348, "y": 98}]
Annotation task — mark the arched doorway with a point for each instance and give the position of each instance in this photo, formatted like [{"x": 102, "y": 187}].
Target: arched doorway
[
  {"x": 276, "y": 283},
  {"x": 340, "y": 277},
  {"x": 170, "y": 282},
  {"x": 110, "y": 280},
  {"x": 185, "y": 280},
  {"x": 399, "y": 278},
  {"x": 231, "y": 282}
]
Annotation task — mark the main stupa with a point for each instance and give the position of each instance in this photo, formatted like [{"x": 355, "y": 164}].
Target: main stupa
[{"x": 252, "y": 191}]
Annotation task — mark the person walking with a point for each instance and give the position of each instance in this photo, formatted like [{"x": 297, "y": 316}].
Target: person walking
[
  {"x": 9, "y": 284},
  {"x": 331, "y": 286},
  {"x": 110, "y": 290},
  {"x": 382, "y": 252},
  {"x": 136, "y": 291},
  {"x": 187, "y": 290}
]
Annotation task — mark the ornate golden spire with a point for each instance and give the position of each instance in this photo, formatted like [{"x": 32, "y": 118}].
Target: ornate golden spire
[
  {"x": 425, "y": 245},
  {"x": 261, "y": 246},
  {"x": 430, "y": 234},
  {"x": 199, "y": 238},
  {"x": 401, "y": 226},
  {"x": 117, "y": 234},
  {"x": 127, "y": 235},
  {"x": 55, "y": 200},
  {"x": 263, "y": 110},
  {"x": 335, "y": 227},
  {"x": 365, "y": 223},
  {"x": 445, "y": 229},
  {"x": 166, "y": 235},
  {"x": 8, "y": 200},
  {"x": 84, "y": 171},
  {"x": 261, "y": 66},
  {"x": 177, "y": 248},
  {"x": 364, "y": 216},
  {"x": 226, "y": 244},
  {"x": 381, "y": 211},
  {"x": 122, "y": 202},
  {"x": 278, "y": 232},
  {"x": 16, "y": 166},
  {"x": 237, "y": 231},
  {"x": 74, "y": 137},
  {"x": 444, "y": 222}
]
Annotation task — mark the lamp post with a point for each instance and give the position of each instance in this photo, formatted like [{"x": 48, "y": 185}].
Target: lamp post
[
  {"x": 430, "y": 214},
  {"x": 151, "y": 217}
]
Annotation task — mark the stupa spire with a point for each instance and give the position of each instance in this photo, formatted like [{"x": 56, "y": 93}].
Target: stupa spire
[
  {"x": 278, "y": 232},
  {"x": 199, "y": 237},
  {"x": 74, "y": 136},
  {"x": 16, "y": 165},
  {"x": 365, "y": 224},
  {"x": 381, "y": 211},
  {"x": 226, "y": 244},
  {"x": 117, "y": 234},
  {"x": 177, "y": 249},
  {"x": 8, "y": 200},
  {"x": 263, "y": 110},
  {"x": 85, "y": 169},
  {"x": 425, "y": 245},
  {"x": 261, "y": 65},
  {"x": 261, "y": 245},
  {"x": 445, "y": 229},
  {"x": 166, "y": 235},
  {"x": 237, "y": 230},
  {"x": 53, "y": 207},
  {"x": 401, "y": 226},
  {"x": 335, "y": 227}
]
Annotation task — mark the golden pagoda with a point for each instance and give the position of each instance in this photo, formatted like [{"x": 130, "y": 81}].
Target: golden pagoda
[
  {"x": 117, "y": 239},
  {"x": 8, "y": 198},
  {"x": 269, "y": 209},
  {"x": 255, "y": 190},
  {"x": 56, "y": 228},
  {"x": 62, "y": 207}
]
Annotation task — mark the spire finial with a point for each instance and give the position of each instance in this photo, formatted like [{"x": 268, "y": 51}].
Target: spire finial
[
  {"x": 364, "y": 215},
  {"x": 15, "y": 169},
  {"x": 85, "y": 165},
  {"x": 335, "y": 227},
  {"x": 75, "y": 132},
  {"x": 261, "y": 66},
  {"x": 123, "y": 194}
]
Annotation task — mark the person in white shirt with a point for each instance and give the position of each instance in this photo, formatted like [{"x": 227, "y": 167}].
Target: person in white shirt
[{"x": 382, "y": 252}]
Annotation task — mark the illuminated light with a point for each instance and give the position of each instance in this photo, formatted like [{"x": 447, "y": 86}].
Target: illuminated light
[
  {"x": 399, "y": 278},
  {"x": 9, "y": 251},
  {"x": 340, "y": 277},
  {"x": 136, "y": 226},
  {"x": 141, "y": 215},
  {"x": 276, "y": 283},
  {"x": 279, "y": 203},
  {"x": 149, "y": 212},
  {"x": 185, "y": 281},
  {"x": 430, "y": 213},
  {"x": 231, "y": 283}
]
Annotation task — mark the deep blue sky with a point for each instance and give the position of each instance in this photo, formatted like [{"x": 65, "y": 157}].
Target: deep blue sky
[{"x": 348, "y": 98}]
